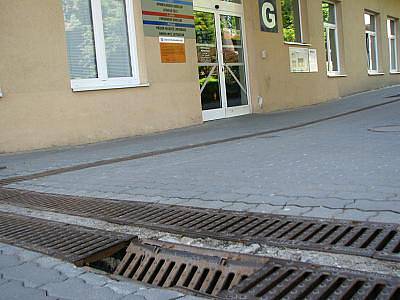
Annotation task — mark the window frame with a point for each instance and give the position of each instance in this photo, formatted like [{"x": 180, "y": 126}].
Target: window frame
[
  {"x": 103, "y": 81},
  {"x": 393, "y": 38},
  {"x": 327, "y": 28},
  {"x": 370, "y": 33},
  {"x": 301, "y": 33}
]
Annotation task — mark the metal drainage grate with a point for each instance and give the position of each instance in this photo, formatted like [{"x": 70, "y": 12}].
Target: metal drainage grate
[
  {"x": 280, "y": 279},
  {"x": 199, "y": 270},
  {"x": 79, "y": 245},
  {"x": 377, "y": 240}
]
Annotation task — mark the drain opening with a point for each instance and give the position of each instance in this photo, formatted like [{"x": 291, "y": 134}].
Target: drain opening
[{"x": 197, "y": 270}]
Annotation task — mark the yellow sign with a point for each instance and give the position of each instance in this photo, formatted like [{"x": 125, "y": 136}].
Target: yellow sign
[{"x": 172, "y": 50}]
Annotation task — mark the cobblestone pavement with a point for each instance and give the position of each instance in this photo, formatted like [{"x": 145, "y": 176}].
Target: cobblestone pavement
[
  {"x": 333, "y": 169},
  {"x": 27, "y": 163},
  {"x": 26, "y": 275}
]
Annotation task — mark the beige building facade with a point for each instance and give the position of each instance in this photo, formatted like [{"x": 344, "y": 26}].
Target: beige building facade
[{"x": 237, "y": 58}]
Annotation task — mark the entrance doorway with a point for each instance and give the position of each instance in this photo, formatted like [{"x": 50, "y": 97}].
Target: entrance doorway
[{"x": 221, "y": 53}]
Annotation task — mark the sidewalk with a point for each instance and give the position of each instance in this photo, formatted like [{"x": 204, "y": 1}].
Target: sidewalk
[
  {"x": 29, "y": 275},
  {"x": 28, "y": 163},
  {"x": 337, "y": 168}
]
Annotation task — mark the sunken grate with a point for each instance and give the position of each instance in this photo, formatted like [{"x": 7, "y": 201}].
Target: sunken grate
[
  {"x": 377, "y": 240},
  {"x": 200, "y": 271},
  {"x": 280, "y": 279},
  {"x": 79, "y": 245}
]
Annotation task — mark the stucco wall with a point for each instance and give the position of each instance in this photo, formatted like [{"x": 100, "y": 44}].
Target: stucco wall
[
  {"x": 40, "y": 110},
  {"x": 281, "y": 89}
]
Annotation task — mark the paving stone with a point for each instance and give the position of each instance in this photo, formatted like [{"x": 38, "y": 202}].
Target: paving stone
[
  {"x": 157, "y": 294},
  {"x": 8, "y": 261},
  {"x": 386, "y": 217},
  {"x": 265, "y": 208},
  {"x": 48, "y": 262},
  {"x": 77, "y": 289},
  {"x": 94, "y": 279},
  {"x": 133, "y": 297},
  {"x": 320, "y": 212},
  {"x": 352, "y": 214},
  {"x": 32, "y": 275},
  {"x": 376, "y": 205},
  {"x": 69, "y": 270},
  {"x": 124, "y": 287},
  {"x": 204, "y": 204},
  {"x": 14, "y": 290},
  {"x": 237, "y": 206},
  {"x": 291, "y": 211}
]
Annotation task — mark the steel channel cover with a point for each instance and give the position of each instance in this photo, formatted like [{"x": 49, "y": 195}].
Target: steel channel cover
[
  {"x": 280, "y": 279},
  {"x": 79, "y": 245},
  {"x": 377, "y": 240},
  {"x": 226, "y": 275},
  {"x": 202, "y": 271}
]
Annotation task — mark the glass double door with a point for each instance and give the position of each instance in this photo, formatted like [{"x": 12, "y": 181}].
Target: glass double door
[{"x": 221, "y": 63}]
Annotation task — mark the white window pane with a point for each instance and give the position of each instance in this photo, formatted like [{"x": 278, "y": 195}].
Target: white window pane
[
  {"x": 80, "y": 39},
  {"x": 116, "y": 38},
  {"x": 369, "y": 22},
  {"x": 393, "y": 55},
  {"x": 374, "y": 63},
  {"x": 333, "y": 49}
]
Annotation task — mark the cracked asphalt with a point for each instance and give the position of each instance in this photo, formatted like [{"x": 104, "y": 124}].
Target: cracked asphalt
[{"x": 333, "y": 169}]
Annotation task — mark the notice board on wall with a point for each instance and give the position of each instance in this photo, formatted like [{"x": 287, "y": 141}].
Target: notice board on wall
[
  {"x": 303, "y": 60},
  {"x": 172, "y": 50},
  {"x": 168, "y": 18}
]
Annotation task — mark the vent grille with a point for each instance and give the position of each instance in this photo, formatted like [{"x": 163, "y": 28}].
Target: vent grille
[
  {"x": 201, "y": 271},
  {"x": 79, "y": 245},
  {"x": 377, "y": 240}
]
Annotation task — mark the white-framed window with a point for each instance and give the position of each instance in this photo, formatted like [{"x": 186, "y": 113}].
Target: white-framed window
[
  {"x": 392, "y": 25},
  {"x": 331, "y": 37},
  {"x": 371, "y": 41},
  {"x": 101, "y": 44},
  {"x": 291, "y": 20}
]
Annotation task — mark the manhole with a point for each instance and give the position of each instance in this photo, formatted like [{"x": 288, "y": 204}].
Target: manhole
[
  {"x": 280, "y": 279},
  {"x": 79, "y": 245},
  {"x": 389, "y": 128},
  {"x": 199, "y": 270},
  {"x": 227, "y": 275},
  {"x": 377, "y": 240}
]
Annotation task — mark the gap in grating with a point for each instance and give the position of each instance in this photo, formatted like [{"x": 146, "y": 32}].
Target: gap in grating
[
  {"x": 377, "y": 240},
  {"x": 201, "y": 271}
]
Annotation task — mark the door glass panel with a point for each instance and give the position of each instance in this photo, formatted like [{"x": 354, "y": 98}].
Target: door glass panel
[
  {"x": 234, "y": 67},
  {"x": 207, "y": 56}
]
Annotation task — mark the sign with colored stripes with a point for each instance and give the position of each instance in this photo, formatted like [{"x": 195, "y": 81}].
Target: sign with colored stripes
[{"x": 168, "y": 18}]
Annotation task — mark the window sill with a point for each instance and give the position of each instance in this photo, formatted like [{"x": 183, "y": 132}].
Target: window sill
[
  {"x": 333, "y": 75},
  {"x": 375, "y": 73},
  {"x": 394, "y": 72},
  {"x": 91, "y": 87},
  {"x": 297, "y": 44}
]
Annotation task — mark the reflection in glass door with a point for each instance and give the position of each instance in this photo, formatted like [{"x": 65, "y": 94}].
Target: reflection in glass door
[
  {"x": 233, "y": 61},
  {"x": 208, "y": 60},
  {"x": 221, "y": 64}
]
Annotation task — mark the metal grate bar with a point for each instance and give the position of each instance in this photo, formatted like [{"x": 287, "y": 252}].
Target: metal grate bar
[
  {"x": 76, "y": 244},
  {"x": 378, "y": 240}
]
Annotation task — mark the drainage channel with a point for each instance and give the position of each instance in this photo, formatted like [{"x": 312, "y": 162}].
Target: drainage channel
[
  {"x": 376, "y": 240},
  {"x": 79, "y": 245},
  {"x": 199, "y": 271},
  {"x": 225, "y": 275}
]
